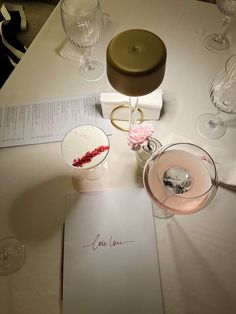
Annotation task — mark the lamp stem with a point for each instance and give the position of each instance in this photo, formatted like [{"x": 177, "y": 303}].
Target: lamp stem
[{"x": 133, "y": 106}]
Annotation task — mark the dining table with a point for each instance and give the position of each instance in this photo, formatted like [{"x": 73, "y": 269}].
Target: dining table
[{"x": 197, "y": 252}]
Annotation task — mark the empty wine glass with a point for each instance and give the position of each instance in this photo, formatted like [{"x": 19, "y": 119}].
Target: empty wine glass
[
  {"x": 180, "y": 178},
  {"x": 223, "y": 97},
  {"x": 12, "y": 255},
  {"x": 85, "y": 148},
  {"x": 219, "y": 42},
  {"x": 83, "y": 23}
]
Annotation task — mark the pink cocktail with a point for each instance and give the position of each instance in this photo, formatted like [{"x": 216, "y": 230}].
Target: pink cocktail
[{"x": 180, "y": 179}]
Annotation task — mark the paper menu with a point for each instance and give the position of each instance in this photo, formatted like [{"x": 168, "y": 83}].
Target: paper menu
[
  {"x": 110, "y": 256},
  {"x": 49, "y": 121}
]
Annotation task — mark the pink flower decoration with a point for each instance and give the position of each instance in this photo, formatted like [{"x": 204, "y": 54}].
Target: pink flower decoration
[{"x": 139, "y": 135}]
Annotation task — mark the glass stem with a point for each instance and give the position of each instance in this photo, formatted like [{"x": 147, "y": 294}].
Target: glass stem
[
  {"x": 133, "y": 105},
  {"x": 214, "y": 122},
  {"x": 220, "y": 38},
  {"x": 88, "y": 63},
  {"x": 161, "y": 213}
]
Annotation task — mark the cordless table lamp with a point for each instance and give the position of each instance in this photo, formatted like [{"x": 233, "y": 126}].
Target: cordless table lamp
[{"x": 136, "y": 62}]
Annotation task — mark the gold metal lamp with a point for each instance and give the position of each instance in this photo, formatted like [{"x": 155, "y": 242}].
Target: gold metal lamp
[{"x": 136, "y": 62}]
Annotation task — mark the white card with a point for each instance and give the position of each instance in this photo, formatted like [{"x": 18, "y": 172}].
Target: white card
[{"x": 110, "y": 255}]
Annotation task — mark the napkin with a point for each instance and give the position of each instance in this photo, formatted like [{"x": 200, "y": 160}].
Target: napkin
[
  {"x": 72, "y": 53},
  {"x": 224, "y": 159},
  {"x": 150, "y": 105}
]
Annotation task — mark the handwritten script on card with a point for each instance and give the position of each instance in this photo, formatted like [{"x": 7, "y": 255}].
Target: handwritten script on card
[
  {"x": 110, "y": 257},
  {"x": 107, "y": 242}
]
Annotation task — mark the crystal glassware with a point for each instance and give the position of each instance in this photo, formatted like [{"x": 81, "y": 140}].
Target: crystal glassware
[
  {"x": 82, "y": 21},
  {"x": 12, "y": 255},
  {"x": 85, "y": 148},
  {"x": 180, "y": 178},
  {"x": 223, "y": 97},
  {"x": 219, "y": 42}
]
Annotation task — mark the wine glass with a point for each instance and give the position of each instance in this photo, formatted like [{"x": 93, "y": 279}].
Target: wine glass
[
  {"x": 218, "y": 42},
  {"x": 223, "y": 97},
  {"x": 82, "y": 21},
  {"x": 85, "y": 148},
  {"x": 12, "y": 255},
  {"x": 180, "y": 178}
]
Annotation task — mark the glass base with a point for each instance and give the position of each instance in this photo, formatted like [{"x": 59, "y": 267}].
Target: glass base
[
  {"x": 92, "y": 71},
  {"x": 95, "y": 173},
  {"x": 212, "y": 43},
  {"x": 12, "y": 256},
  {"x": 161, "y": 213},
  {"x": 210, "y": 126}
]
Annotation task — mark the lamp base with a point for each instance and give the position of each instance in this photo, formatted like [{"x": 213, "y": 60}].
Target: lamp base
[{"x": 114, "y": 121}]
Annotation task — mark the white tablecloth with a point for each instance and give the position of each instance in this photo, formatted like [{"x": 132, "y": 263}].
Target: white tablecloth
[{"x": 197, "y": 252}]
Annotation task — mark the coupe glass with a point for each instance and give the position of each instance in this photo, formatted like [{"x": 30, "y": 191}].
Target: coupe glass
[
  {"x": 12, "y": 255},
  {"x": 223, "y": 97},
  {"x": 85, "y": 148},
  {"x": 218, "y": 42},
  {"x": 180, "y": 178},
  {"x": 83, "y": 23}
]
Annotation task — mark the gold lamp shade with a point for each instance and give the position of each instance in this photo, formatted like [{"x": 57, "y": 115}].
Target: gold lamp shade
[{"x": 136, "y": 61}]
